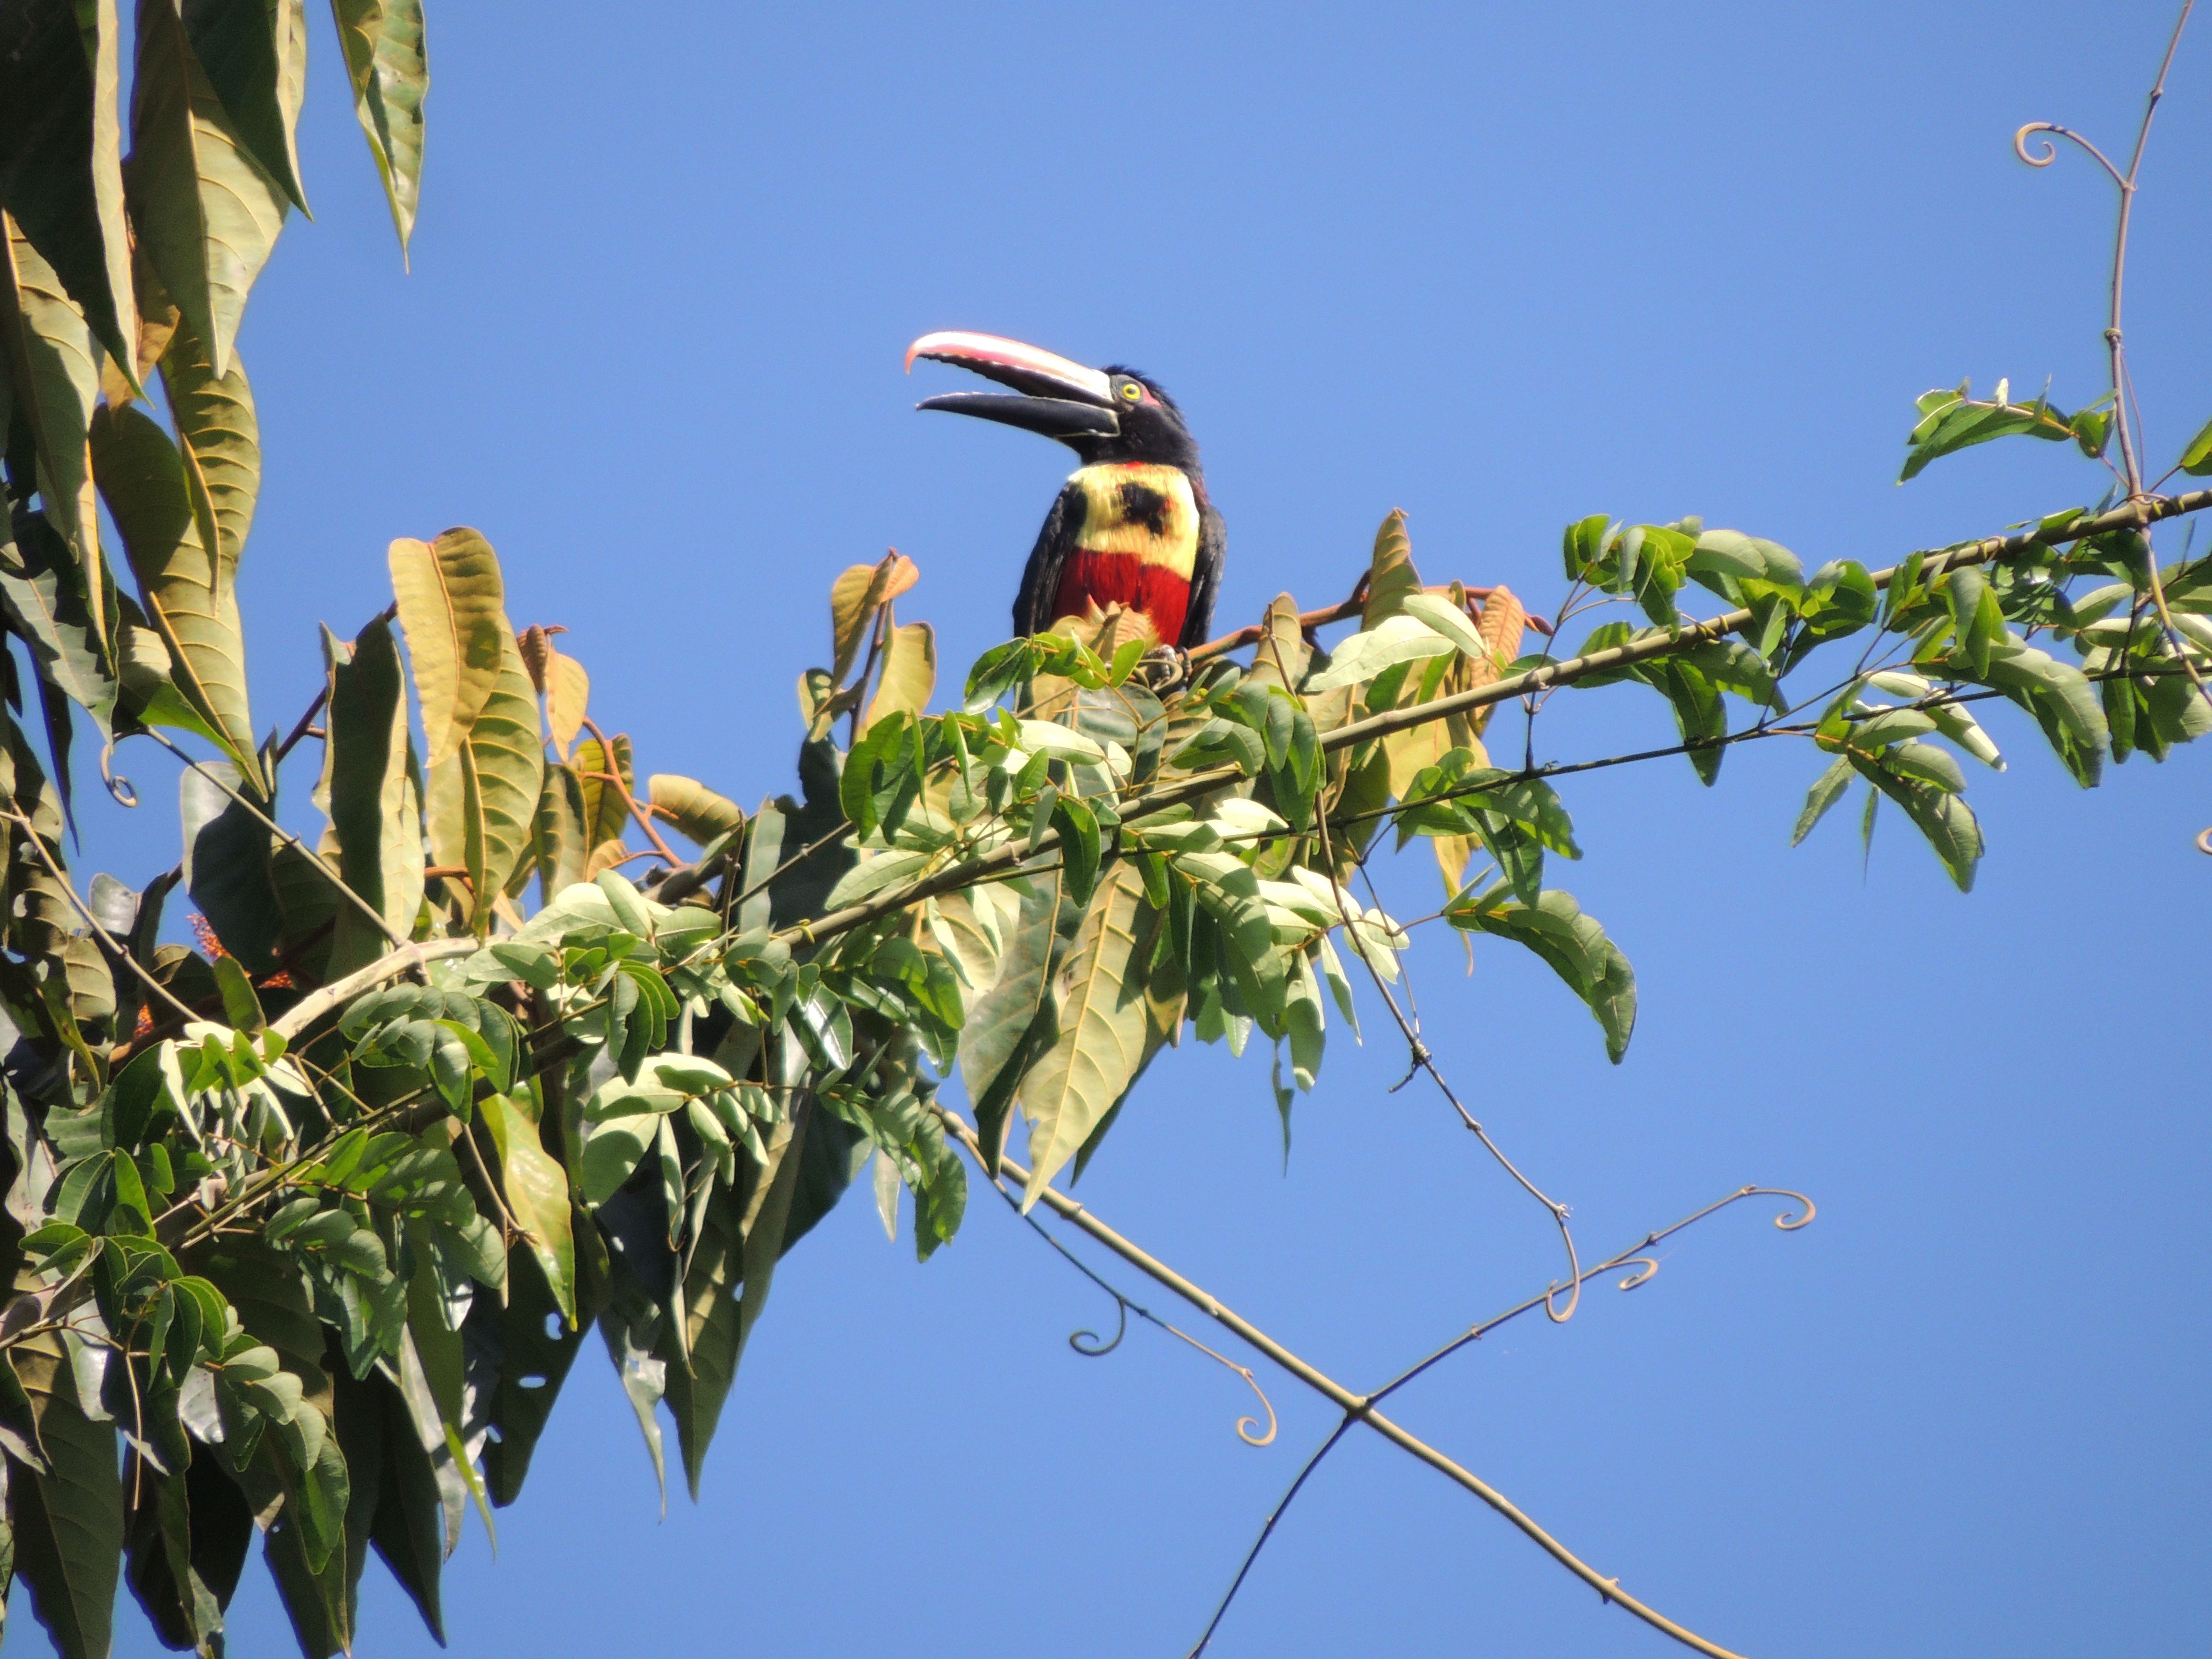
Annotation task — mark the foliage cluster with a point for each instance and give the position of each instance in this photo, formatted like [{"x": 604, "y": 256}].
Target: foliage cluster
[{"x": 307, "y": 1227}]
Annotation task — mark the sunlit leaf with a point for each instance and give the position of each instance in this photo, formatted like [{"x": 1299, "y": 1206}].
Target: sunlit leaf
[
  {"x": 205, "y": 211},
  {"x": 692, "y": 807},
  {"x": 1103, "y": 1021},
  {"x": 391, "y": 72},
  {"x": 452, "y": 609},
  {"x": 141, "y": 478},
  {"x": 219, "y": 435},
  {"x": 255, "y": 54},
  {"x": 1577, "y": 949},
  {"x": 908, "y": 676}
]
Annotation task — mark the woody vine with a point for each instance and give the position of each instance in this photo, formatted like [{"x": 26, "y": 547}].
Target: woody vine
[{"x": 307, "y": 1226}]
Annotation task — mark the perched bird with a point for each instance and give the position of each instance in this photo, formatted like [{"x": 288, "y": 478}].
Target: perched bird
[{"x": 1132, "y": 525}]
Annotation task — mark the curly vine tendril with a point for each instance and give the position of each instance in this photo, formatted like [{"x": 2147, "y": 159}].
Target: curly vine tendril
[
  {"x": 1087, "y": 1344},
  {"x": 2051, "y": 150},
  {"x": 1091, "y": 1347},
  {"x": 1645, "y": 1265}
]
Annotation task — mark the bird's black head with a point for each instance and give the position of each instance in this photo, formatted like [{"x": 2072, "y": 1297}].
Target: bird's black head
[{"x": 1111, "y": 413}]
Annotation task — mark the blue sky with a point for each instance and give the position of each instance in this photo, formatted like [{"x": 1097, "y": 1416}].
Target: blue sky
[{"x": 1501, "y": 267}]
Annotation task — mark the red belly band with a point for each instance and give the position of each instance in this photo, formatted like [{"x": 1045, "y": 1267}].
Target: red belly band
[{"x": 1124, "y": 579}]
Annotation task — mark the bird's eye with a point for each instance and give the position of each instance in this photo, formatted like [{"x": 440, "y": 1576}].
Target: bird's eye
[{"x": 1132, "y": 391}]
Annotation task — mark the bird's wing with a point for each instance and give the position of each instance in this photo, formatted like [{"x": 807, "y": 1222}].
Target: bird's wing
[
  {"x": 1204, "y": 577},
  {"x": 1041, "y": 576}
]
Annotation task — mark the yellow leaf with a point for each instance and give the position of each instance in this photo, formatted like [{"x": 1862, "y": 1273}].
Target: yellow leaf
[
  {"x": 1391, "y": 577},
  {"x": 450, "y": 597},
  {"x": 567, "y": 699},
  {"x": 909, "y": 674},
  {"x": 692, "y": 807},
  {"x": 855, "y": 598}
]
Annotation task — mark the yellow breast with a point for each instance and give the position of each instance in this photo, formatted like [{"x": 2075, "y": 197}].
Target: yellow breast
[{"x": 1135, "y": 507}]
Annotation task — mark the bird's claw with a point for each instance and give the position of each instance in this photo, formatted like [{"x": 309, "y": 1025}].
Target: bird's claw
[{"x": 1164, "y": 669}]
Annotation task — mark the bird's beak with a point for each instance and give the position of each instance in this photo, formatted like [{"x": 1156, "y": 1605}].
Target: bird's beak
[{"x": 1057, "y": 398}]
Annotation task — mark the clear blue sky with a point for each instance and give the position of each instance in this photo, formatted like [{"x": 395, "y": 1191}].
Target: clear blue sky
[{"x": 1501, "y": 267}]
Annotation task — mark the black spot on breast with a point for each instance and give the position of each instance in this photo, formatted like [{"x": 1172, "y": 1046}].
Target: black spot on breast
[{"x": 1142, "y": 504}]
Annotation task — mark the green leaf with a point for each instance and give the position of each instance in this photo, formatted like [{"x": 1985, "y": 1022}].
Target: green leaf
[
  {"x": 219, "y": 437},
  {"x": 67, "y": 1523},
  {"x": 1574, "y": 945},
  {"x": 1079, "y": 847},
  {"x": 141, "y": 478},
  {"x": 61, "y": 175},
  {"x": 187, "y": 1538},
  {"x": 2196, "y": 459},
  {"x": 1102, "y": 1022},
  {"x": 1000, "y": 1034},
  {"x": 450, "y": 607},
  {"x": 1951, "y": 421},
  {"x": 1396, "y": 639},
  {"x": 1943, "y": 817},
  {"x": 536, "y": 1189},
  {"x": 41, "y": 591},
  {"x": 255, "y": 54},
  {"x": 390, "y": 73},
  {"x": 2063, "y": 701},
  {"x": 1827, "y": 789},
  {"x": 367, "y": 789},
  {"x": 227, "y": 866},
  {"x": 206, "y": 213},
  {"x": 393, "y": 1501},
  {"x": 538, "y": 1346},
  {"x": 52, "y": 363}
]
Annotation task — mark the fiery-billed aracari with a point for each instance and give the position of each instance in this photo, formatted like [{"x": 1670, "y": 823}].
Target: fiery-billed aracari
[{"x": 1132, "y": 525}]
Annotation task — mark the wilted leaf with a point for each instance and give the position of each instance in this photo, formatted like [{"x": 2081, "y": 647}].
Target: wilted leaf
[
  {"x": 1391, "y": 576},
  {"x": 568, "y": 700},
  {"x": 854, "y": 597}
]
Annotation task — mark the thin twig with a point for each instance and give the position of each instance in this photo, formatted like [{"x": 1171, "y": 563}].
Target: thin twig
[
  {"x": 613, "y": 775},
  {"x": 1327, "y": 1387},
  {"x": 1633, "y": 1254},
  {"x": 53, "y": 868}
]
